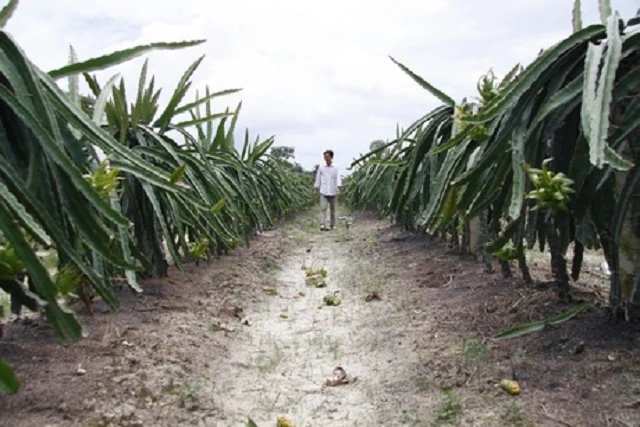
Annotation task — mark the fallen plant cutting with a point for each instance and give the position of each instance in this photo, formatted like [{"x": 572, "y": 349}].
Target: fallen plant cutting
[
  {"x": 532, "y": 327},
  {"x": 270, "y": 290},
  {"x": 285, "y": 422},
  {"x": 332, "y": 300},
  {"x": 320, "y": 271},
  {"x": 317, "y": 282},
  {"x": 316, "y": 277}
]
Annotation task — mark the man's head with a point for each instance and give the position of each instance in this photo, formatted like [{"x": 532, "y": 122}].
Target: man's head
[{"x": 328, "y": 157}]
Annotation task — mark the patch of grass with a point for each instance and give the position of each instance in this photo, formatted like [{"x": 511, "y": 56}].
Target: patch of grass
[
  {"x": 317, "y": 339},
  {"x": 295, "y": 235},
  {"x": 308, "y": 222},
  {"x": 334, "y": 347},
  {"x": 374, "y": 342},
  {"x": 188, "y": 390},
  {"x": 366, "y": 244},
  {"x": 366, "y": 277},
  {"x": 266, "y": 400},
  {"x": 298, "y": 231},
  {"x": 343, "y": 235},
  {"x": 374, "y": 285},
  {"x": 371, "y": 277},
  {"x": 476, "y": 351},
  {"x": 412, "y": 418},
  {"x": 269, "y": 363},
  {"x": 270, "y": 267},
  {"x": 450, "y": 409},
  {"x": 218, "y": 327},
  {"x": 512, "y": 414},
  {"x": 422, "y": 381},
  {"x": 96, "y": 421},
  {"x": 188, "y": 393}
]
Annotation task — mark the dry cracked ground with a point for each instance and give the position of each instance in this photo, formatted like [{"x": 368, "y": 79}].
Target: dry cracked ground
[{"x": 247, "y": 335}]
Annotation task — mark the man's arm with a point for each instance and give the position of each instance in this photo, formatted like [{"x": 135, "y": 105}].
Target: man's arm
[
  {"x": 316, "y": 185},
  {"x": 339, "y": 181}
]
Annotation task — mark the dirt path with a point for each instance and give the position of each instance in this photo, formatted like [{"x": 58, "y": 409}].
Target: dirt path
[
  {"x": 295, "y": 342},
  {"x": 245, "y": 336}
]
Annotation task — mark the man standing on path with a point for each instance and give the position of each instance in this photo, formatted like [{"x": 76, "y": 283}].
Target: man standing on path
[{"x": 328, "y": 184}]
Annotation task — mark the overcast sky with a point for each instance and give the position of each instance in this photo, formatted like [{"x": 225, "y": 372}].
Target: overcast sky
[{"x": 314, "y": 74}]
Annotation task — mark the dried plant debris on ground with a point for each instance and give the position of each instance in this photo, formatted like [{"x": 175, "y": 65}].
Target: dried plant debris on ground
[
  {"x": 241, "y": 338},
  {"x": 372, "y": 296},
  {"x": 316, "y": 277},
  {"x": 340, "y": 378}
]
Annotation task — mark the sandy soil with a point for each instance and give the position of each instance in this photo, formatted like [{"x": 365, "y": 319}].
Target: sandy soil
[{"x": 245, "y": 336}]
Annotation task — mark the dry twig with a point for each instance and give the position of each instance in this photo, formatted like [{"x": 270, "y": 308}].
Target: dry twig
[
  {"x": 449, "y": 282},
  {"x": 633, "y": 405},
  {"x": 624, "y": 423}
]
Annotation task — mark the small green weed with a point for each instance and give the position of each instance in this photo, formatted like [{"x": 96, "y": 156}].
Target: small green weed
[
  {"x": 269, "y": 364},
  {"x": 450, "y": 409},
  {"x": 334, "y": 345},
  {"x": 476, "y": 351},
  {"x": 513, "y": 415}
]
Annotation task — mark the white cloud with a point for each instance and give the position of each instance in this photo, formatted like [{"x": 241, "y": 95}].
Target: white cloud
[{"x": 315, "y": 74}]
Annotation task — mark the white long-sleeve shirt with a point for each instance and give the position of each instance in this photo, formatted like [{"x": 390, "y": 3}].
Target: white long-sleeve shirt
[{"x": 328, "y": 180}]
